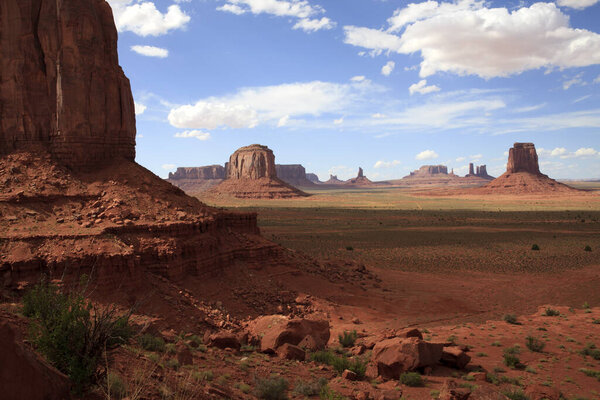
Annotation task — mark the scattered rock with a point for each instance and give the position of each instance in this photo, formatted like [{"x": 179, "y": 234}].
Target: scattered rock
[
  {"x": 349, "y": 375},
  {"x": 395, "y": 356},
  {"x": 224, "y": 340},
  {"x": 539, "y": 392},
  {"x": 279, "y": 330},
  {"x": 291, "y": 352},
  {"x": 451, "y": 391},
  {"x": 455, "y": 358},
  {"x": 409, "y": 332}
]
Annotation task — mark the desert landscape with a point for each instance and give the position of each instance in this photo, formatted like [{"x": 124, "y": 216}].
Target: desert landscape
[{"x": 252, "y": 279}]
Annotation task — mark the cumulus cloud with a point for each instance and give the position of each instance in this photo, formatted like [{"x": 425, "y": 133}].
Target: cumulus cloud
[
  {"x": 597, "y": 80},
  {"x": 577, "y": 4},
  {"x": 276, "y": 104},
  {"x": 422, "y": 88},
  {"x": 460, "y": 159},
  {"x": 563, "y": 153},
  {"x": 575, "y": 81},
  {"x": 388, "y": 68},
  {"x": 151, "y": 51},
  {"x": 300, "y": 9},
  {"x": 139, "y": 108},
  {"x": 427, "y": 155},
  {"x": 169, "y": 167},
  {"x": 358, "y": 78},
  {"x": 386, "y": 164},
  {"x": 193, "y": 134},
  {"x": 338, "y": 121},
  {"x": 488, "y": 42},
  {"x": 144, "y": 19}
]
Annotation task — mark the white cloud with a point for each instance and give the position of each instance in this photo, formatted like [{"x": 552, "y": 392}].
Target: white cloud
[
  {"x": 300, "y": 9},
  {"x": 378, "y": 115},
  {"x": 597, "y": 80},
  {"x": 386, "y": 164},
  {"x": 563, "y": 153},
  {"x": 151, "y": 51},
  {"x": 422, "y": 88},
  {"x": 313, "y": 25},
  {"x": 460, "y": 159},
  {"x": 427, "y": 155},
  {"x": 251, "y": 106},
  {"x": 575, "y": 81},
  {"x": 586, "y": 152},
  {"x": 488, "y": 42},
  {"x": 388, "y": 68},
  {"x": 139, "y": 108},
  {"x": 577, "y": 4},
  {"x": 193, "y": 134},
  {"x": 358, "y": 78},
  {"x": 283, "y": 121},
  {"x": 582, "y": 98},
  {"x": 338, "y": 121},
  {"x": 530, "y": 108},
  {"x": 476, "y": 157},
  {"x": 144, "y": 19},
  {"x": 169, "y": 167}
]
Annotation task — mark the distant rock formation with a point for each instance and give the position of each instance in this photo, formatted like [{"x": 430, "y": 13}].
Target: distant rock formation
[
  {"x": 360, "y": 180},
  {"x": 523, "y": 175},
  {"x": 471, "y": 170},
  {"x": 429, "y": 170},
  {"x": 251, "y": 173},
  {"x": 294, "y": 174},
  {"x": 207, "y": 172},
  {"x": 314, "y": 178},
  {"x": 479, "y": 171},
  {"x": 333, "y": 180},
  {"x": 61, "y": 85}
]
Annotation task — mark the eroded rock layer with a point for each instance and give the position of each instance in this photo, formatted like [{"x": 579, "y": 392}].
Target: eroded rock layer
[
  {"x": 61, "y": 86},
  {"x": 294, "y": 174}
]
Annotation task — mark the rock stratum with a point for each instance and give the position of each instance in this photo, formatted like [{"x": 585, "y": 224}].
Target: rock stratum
[
  {"x": 61, "y": 86},
  {"x": 295, "y": 175},
  {"x": 437, "y": 175},
  {"x": 523, "y": 176},
  {"x": 251, "y": 173},
  {"x": 195, "y": 180}
]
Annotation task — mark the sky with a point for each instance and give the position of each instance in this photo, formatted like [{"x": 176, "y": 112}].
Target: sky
[{"x": 388, "y": 85}]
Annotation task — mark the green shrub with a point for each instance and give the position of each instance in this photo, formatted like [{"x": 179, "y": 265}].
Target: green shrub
[
  {"x": 152, "y": 343},
  {"x": 328, "y": 394},
  {"x": 172, "y": 363},
  {"x": 115, "y": 386},
  {"x": 587, "y": 248},
  {"x": 551, "y": 312},
  {"x": 273, "y": 388},
  {"x": 309, "y": 389},
  {"x": 349, "y": 248},
  {"x": 535, "y": 247},
  {"x": 511, "y": 319},
  {"x": 515, "y": 394},
  {"x": 71, "y": 332},
  {"x": 171, "y": 348},
  {"x": 534, "y": 344},
  {"x": 244, "y": 387},
  {"x": 348, "y": 338},
  {"x": 596, "y": 321},
  {"x": 340, "y": 363},
  {"x": 411, "y": 379},
  {"x": 591, "y": 373},
  {"x": 510, "y": 357},
  {"x": 590, "y": 350}
]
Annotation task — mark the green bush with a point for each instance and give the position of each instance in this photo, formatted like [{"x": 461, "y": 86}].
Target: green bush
[
  {"x": 328, "y": 394},
  {"x": 534, "y": 344},
  {"x": 348, "y": 338},
  {"x": 349, "y": 248},
  {"x": 515, "y": 394},
  {"x": 411, "y": 379},
  {"x": 591, "y": 373},
  {"x": 340, "y": 363},
  {"x": 309, "y": 389},
  {"x": 116, "y": 387},
  {"x": 511, "y": 319},
  {"x": 511, "y": 359},
  {"x": 152, "y": 343},
  {"x": 587, "y": 248},
  {"x": 71, "y": 332},
  {"x": 273, "y": 388},
  {"x": 535, "y": 247},
  {"x": 590, "y": 350},
  {"x": 551, "y": 312}
]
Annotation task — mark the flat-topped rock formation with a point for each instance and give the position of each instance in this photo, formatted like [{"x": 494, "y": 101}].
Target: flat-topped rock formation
[
  {"x": 62, "y": 89},
  {"x": 428, "y": 171},
  {"x": 294, "y": 174},
  {"x": 251, "y": 173},
  {"x": 333, "y": 180},
  {"x": 523, "y": 175},
  {"x": 314, "y": 178},
  {"x": 196, "y": 180}
]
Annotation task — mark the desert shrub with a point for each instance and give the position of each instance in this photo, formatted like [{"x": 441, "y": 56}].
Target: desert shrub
[
  {"x": 201, "y": 376},
  {"x": 591, "y": 350},
  {"x": 551, "y": 312},
  {"x": 511, "y": 319},
  {"x": 535, "y": 247},
  {"x": 349, "y": 248},
  {"x": 586, "y": 306},
  {"x": 411, "y": 379},
  {"x": 309, "y": 389},
  {"x": 171, "y": 348},
  {"x": 115, "y": 386},
  {"x": 587, "y": 248},
  {"x": 511, "y": 358},
  {"x": 596, "y": 321},
  {"x": 348, "y": 338},
  {"x": 152, "y": 343},
  {"x": 534, "y": 344},
  {"x": 71, "y": 332},
  {"x": 340, "y": 363},
  {"x": 272, "y": 388},
  {"x": 244, "y": 387},
  {"x": 172, "y": 363},
  {"x": 328, "y": 394},
  {"x": 591, "y": 373},
  {"x": 515, "y": 394}
]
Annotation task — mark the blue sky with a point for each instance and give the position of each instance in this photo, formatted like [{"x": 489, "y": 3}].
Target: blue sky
[{"x": 386, "y": 85}]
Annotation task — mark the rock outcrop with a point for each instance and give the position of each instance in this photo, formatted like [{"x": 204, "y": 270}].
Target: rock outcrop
[
  {"x": 428, "y": 171},
  {"x": 523, "y": 175},
  {"x": 196, "y": 180},
  {"x": 294, "y": 174},
  {"x": 314, "y": 178},
  {"x": 61, "y": 86},
  {"x": 333, "y": 180},
  {"x": 251, "y": 173},
  {"x": 360, "y": 180},
  {"x": 479, "y": 171}
]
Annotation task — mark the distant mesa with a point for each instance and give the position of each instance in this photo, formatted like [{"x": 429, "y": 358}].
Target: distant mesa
[
  {"x": 251, "y": 173},
  {"x": 314, "y": 178},
  {"x": 197, "y": 179},
  {"x": 480, "y": 171},
  {"x": 429, "y": 170},
  {"x": 360, "y": 180},
  {"x": 295, "y": 175},
  {"x": 523, "y": 175},
  {"x": 333, "y": 180}
]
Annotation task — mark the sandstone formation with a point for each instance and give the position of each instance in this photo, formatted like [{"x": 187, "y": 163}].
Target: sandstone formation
[
  {"x": 360, "y": 180},
  {"x": 195, "y": 180},
  {"x": 523, "y": 175},
  {"x": 61, "y": 86},
  {"x": 479, "y": 171},
  {"x": 314, "y": 178},
  {"x": 251, "y": 173},
  {"x": 394, "y": 356},
  {"x": 294, "y": 174},
  {"x": 428, "y": 171},
  {"x": 333, "y": 180}
]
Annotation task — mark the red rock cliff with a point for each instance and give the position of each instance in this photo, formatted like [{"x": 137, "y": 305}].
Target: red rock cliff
[
  {"x": 522, "y": 157},
  {"x": 252, "y": 162},
  {"x": 61, "y": 87}
]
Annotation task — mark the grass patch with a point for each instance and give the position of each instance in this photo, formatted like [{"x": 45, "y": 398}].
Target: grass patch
[
  {"x": 511, "y": 319},
  {"x": 152, "y": 343},
  {"x": 411, "y": 379},
  {"x": 551, "y": 312},
  {"x": 309, "y": 389},
  {"x": 515, "y": 394},
  {"x": 348, "y": 338},
  {"x": 340, "y": 363},
  {"x": 534, "y": 344},
  {"x": 272, "y": 388}
]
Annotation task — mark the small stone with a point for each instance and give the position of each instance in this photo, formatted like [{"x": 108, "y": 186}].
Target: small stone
[{"x": 349, "y": 375}]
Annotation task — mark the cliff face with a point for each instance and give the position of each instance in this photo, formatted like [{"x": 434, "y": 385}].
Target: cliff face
[
  {"x": 294, "y": 174},
  {"x": 208, "y": 172},
  {"x": 252, "y": 162},
  {"x": 428, "y": 170},
  {"x": 61, "y": 87},
  {"x": 522, "y": 157}
]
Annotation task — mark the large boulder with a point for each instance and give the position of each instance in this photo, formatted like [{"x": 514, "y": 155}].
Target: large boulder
[
  {"x": 25, "y": 375},
  {"x": 394, "y": 356},
  {"x": 61, "y": 87},
  {"x": 274, "y": 331},
  {"x": 454, "y": 357}
]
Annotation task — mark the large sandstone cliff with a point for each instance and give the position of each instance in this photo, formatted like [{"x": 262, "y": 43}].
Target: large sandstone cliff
[
  {"x": 207, "y": 172},
  {"x": 294, "y": 174},
  {"x": 61, "y": 87},
  {"x": 252, "y": 162}
]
